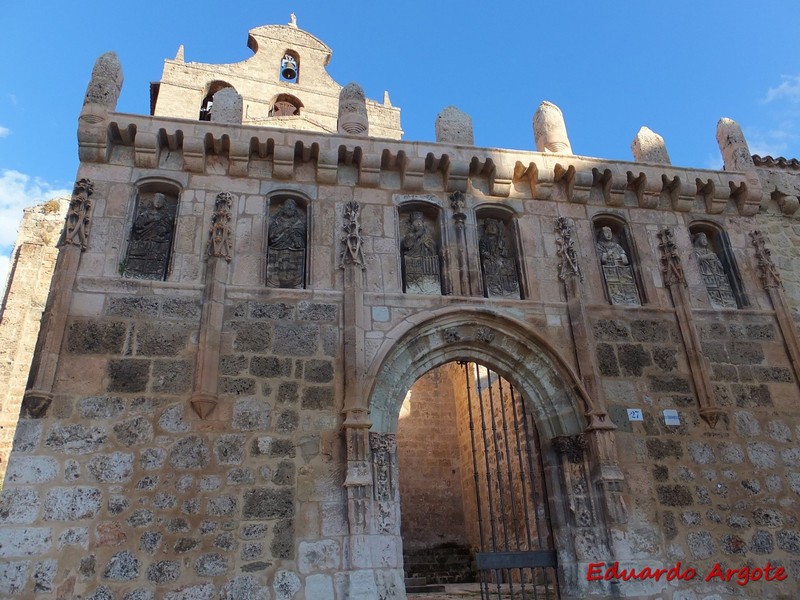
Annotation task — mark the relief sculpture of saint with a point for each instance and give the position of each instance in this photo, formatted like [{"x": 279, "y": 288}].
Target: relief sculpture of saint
[
  {"x": 151, "y": 238},
  {"x": 714, "y": 276},
  {"x": 286, "y": 254},
  {"x": 498, "y": 261},
  {"x": 420, "y": 257},
  {"x": 617, "y": 270}
]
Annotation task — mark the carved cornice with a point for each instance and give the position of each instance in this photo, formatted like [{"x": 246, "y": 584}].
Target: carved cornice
[
  {"x": 572, "y": 447},
  {"x": 501, "y": 173}
]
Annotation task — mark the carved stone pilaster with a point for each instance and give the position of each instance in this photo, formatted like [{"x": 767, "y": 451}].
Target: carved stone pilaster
[
  {"x": 385, "y": 485},
  {"x": 771, "y": 280},
  {"x": 698, "y": 365},
  {"x": 458, "y": 204},
  {"x": 39, "y": 393},
  {"x": 572, "y": 447},
  {"x": 220, "y": 241},
  {"x": 79, "y": 215},
  {"x": 568, "y": 258},
  {"x": 670, "y": 260},
  {"x": 219, "y": 252},
  {"x": 352, "y": 242},
  {"x": 358, "y": 479}
]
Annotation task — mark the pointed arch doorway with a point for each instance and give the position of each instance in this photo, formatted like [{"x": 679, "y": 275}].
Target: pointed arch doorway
[
  {"x": 473, "y": 496},
  {"x": 557, "y": 409}
]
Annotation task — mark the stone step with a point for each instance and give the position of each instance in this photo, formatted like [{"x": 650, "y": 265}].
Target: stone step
[
  {"x": 415, "y": 581},
  {"x": 425, "y": 589}
]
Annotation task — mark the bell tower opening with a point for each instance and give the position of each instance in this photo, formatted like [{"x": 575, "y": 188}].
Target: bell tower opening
[{"x": 473, "y": 501}]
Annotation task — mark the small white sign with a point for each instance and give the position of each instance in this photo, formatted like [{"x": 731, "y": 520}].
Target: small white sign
[
  {"x": 671, "y": 417},
  {"x": 635, "y": 414}
]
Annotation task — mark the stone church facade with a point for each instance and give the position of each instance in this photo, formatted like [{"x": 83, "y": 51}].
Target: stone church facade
[{"x": 251, "y": 280}]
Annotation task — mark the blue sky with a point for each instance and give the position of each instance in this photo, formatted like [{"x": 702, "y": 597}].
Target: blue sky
[{"x": 611, "y": 67}]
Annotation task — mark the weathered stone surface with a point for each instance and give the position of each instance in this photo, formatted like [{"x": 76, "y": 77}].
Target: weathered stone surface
[
  {"x": 283, "y": 539},
  {"x": 454, "y": 126},
  {"x": 163, "y": 571},
  {"x": 150, "y": 541},
  {"x": 27, "y": 435},
  {"x": 72, "y": 504},
  {"x": 210, "y": 565},
  {"x": 222, "y": 506},
  {"x": 13, "y": 577},
  {"x": 275, "y": 312},
  {"x": 318, "y": 556},
  {"x": 251, "y": 414},
  {"x": 649, "y": 147},
  {"x": 319, "y": 587},
  {"x": 128, "y": 375},
  {"x": 172, "y": 376},
  {"x": 74, "y": 536},
  {"x": 132, "y": 307},
  {"x": 190, "y": 453},
  {"x": 266, "y": 503},
  {"x": 295, "y": 340},
  {"x": 123, "y": 566},
  {"x": 204, "y": 591},
  {"x": 139, "y": 594},
  {"x": 32, "y": 469},
  {"x": 87, "y": 337},
  {"x": 19, "y": 505},
  {"x": 229, "y": 449},
  {"x": 701, "y": 544},
  {"x": 179, "y": 308},
  {"x": 244, "y": 587},
  {"x": 100, "y": 407},
  {"x": 75, "y": 439},
  {"x": 111, "y": 468},
  {"x": 317, "y": 397},
  {"x": 270, "y": 366},
  {"x": 252, "y": 337},
  {"x": 160, "y": 339},
  {"x": 133, "y": 432},
  {"x": 286, "y": 585}
]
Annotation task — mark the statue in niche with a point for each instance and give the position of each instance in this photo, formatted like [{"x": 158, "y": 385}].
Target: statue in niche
[
  {"x": 497, "y": 261},
  {"x": 714, "y": 276},
  {"x": 420, "y": 257},
  {"x": 286, "y": 254},
  {"x": 617, "y": 270},
  {"x": 150, "y": 243}
]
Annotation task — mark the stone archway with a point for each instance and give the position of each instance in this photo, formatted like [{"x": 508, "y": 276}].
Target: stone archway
[{"x": 552, "y": 392}]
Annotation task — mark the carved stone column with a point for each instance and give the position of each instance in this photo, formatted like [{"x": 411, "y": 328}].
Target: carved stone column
[
  {"x": 698, "y": 365},
  {"x": 219, "y": 252},
  {"x": 771, "y": 280},
  {"x": 599, "y": 435},
  {"x": 73, "y": 242},
  {"x": 457, "y": 203}
]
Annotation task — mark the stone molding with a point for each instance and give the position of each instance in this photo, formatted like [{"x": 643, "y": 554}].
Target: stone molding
[{"x": 499, "y": 173}]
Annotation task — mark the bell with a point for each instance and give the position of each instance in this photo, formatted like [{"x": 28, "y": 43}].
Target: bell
[{"x": 289, "y": 68}]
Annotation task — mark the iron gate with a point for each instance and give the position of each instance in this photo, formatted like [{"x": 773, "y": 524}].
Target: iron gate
[{"x": 516, "y": 560}]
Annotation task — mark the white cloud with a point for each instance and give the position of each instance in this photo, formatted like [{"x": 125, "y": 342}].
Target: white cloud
[
  {"x": 17, "y": 191},
  {"x": 4, "y": 131},
  {"x": 789, "y": 89}
]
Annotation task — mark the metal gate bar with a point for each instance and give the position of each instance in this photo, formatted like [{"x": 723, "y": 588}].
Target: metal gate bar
[{"x": 508, "y": 554}]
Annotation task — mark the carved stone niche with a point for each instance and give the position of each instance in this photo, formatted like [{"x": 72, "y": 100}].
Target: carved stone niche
[
  {"x": 152, "y": 232},
  {"x": 499, "y": 257},
  {"x": 618, "y": 263},
  {"x": 717, "y": 266},
  {"x": 420, "y": 250},
  {"x": 287, "y": 241}
]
